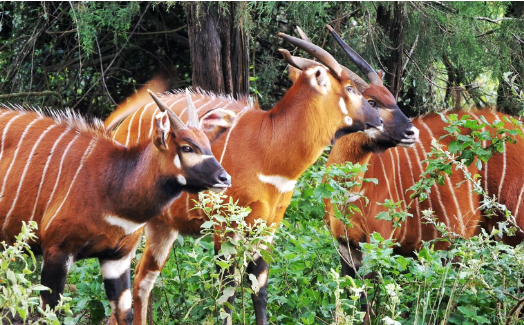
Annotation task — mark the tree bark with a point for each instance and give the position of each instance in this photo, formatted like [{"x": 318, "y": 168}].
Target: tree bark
[
  {"x": 506, "y": 101},
  {"x": 394, "y": 23},
  {"x": 219, "y": 47}
]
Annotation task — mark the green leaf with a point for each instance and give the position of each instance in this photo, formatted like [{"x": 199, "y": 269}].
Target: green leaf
[{"x": 227, "y": 249}]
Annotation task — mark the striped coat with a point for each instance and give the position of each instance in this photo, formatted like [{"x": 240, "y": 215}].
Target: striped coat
[
  {"x": 397, "y": 169},
  {"x": 90, "y": 195}
]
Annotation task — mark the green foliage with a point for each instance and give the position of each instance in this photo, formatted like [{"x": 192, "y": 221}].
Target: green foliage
[
  {"x": 86, "y": 289},
  {"x": 18, "y": 294},
  {"x": 91, "y": 17}
]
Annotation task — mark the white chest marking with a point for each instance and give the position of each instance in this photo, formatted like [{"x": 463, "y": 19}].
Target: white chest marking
[
  {"x": 342, "y": 105},
  {"x": 283, "y": 184},
  {"x": 128, "y": 226},
  {"x": 181, "y": 179}
]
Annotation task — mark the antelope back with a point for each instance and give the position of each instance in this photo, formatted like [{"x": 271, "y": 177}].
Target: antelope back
[
  {"x": 456, "y": 206},
  {"x": 42, "y": 163}
]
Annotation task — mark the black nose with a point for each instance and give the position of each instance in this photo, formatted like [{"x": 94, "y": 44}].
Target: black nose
[{"x": 224, "y": 178}]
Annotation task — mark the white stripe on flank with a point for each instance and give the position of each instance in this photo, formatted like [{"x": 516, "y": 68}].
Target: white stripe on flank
[
  {"x": 184, "y": 110},
  {"x": 152, "y": 122},
  {"x": 208, "y": 102},
  {"x": 394, "y": 175},
  {"x": 503, "y": 175},
  {"x": 86, "y": 155},
  {"x": 60, "y": 172},
  {"x": 129, "y": 127},
  {"x": 235, "y": 122},
  {"x": 402, "y": 193},
  {"x": 6, "y": 128},
  {"x": 515, "y": 213},
  {"x": 283, "y": 184},
  {"x": 31, "y": 154},
  {"x": 449, "y": 184},
  {"x": 418, "y": 215},
  {"x": 419, "y": 204},
  {"x": 387, "y": 181},
  {"x": 140, "y": 121},
  {"x": 5, "y": 113},
  {"x": 13, "y": 160},
  {"x": 45, "y": 168},
  {"x": 182, "y": 97}
]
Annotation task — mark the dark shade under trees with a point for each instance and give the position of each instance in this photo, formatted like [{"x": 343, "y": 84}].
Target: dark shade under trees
[{"x": 92, "y": 55}]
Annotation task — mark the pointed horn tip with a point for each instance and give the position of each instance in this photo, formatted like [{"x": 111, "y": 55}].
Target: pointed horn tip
[{"x": 330, "y": 28}]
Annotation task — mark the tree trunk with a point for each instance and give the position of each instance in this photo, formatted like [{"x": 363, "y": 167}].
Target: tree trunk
[
  {"x": 219, "y": 47},
  {"x": 506, "y": 101},
  {"x": 394, "y": 23}
]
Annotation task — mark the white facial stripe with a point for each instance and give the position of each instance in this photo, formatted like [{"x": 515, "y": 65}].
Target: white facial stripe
[
  {"x": 177, "y": 162},
  {"x": 181, "y": 179},
  {"x": 192, "y": 159},
  {"x": 129, "y": 227},
  {"x": 124, "y": 302},
  {"x": 115, "y": 269},
  {"x": 343, "y": 108},
  {"x": 283, "y": 184},
  {"x": 348, "y": 120}
]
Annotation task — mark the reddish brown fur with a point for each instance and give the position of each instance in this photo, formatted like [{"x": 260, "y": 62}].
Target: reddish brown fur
[
  {"x": 74, "y": 187},
  {"x": 283, "y": 142},
  {"x": 399, "y": 167}
]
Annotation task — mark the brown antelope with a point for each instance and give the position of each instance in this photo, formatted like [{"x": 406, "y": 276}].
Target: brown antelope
[
  {"x": 90, "y": 195},
  {"x": 399, "y": 168},
  {"x": 265, "y": 152}
]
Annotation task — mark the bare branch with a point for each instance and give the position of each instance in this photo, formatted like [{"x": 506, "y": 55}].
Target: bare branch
[
  {"x": 35, "y": 94},
  {"x": 495, "y": 21},
  {"x": 410, "y": 53}
]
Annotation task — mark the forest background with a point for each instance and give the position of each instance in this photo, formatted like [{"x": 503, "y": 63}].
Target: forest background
[{"x": 90, "y": 56}]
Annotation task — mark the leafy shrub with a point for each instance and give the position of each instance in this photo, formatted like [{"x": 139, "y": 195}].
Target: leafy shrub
[{"x": 18, "y": 295}]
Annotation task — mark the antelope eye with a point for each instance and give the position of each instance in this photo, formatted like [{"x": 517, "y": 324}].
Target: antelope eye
[
  {"x": 187, "y": 149},
  {"x": 350, "y": 89},
  {"x": 372, "y": 103}
]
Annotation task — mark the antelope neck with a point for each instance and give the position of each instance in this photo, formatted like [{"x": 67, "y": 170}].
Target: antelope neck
[
  {"x": 137, "y": 190},
  {"x": 300, "y": 133}
]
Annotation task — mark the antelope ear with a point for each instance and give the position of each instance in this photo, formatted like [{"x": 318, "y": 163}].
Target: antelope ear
[
  {"x": 294, "y": 73},
  {"x": 318, "y": 79},
  {"x": 216, "y": 121},
  {"x": 162, "y": 130},
  {"x": 380, "y": 73}
]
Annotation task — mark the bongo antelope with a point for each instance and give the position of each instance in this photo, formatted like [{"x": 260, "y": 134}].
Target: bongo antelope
[
  {"x": 265, "y": 152},
  {"x": 90, "y": 195}
]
